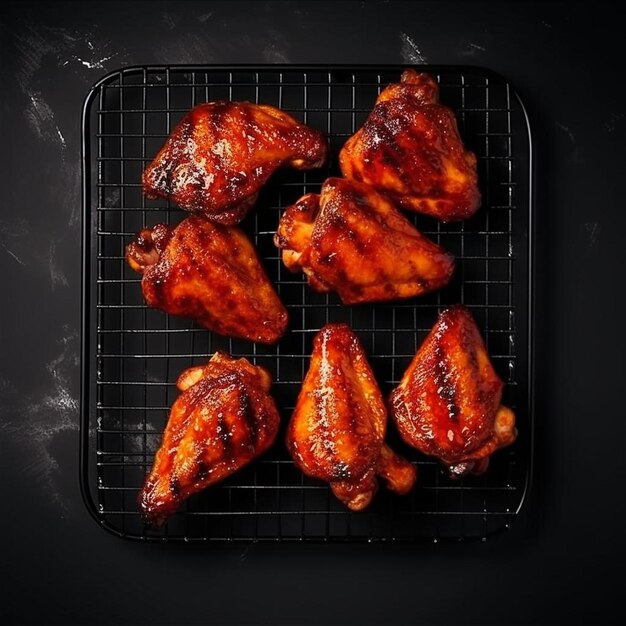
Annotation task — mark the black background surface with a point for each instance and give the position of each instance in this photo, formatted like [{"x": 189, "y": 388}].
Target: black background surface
[{"x": 563, "y": 561}]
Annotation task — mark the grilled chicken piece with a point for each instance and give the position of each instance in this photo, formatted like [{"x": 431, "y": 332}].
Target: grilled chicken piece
[
  {"x": 447, "y": 404},
  {"x": 223, "y": 419},
  {"x": 410, "y": 149},
  {"x": 210, "y": 273},
  {"x": 220, "y": 155},
  {"x": 352, "y": 240},
  {"x": 338, "y": 427}
]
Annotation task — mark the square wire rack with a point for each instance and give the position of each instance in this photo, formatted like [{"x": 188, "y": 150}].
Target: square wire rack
[{"x": 132, "y": 355}]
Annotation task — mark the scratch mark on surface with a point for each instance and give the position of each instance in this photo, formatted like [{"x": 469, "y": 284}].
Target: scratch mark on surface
[
  {"x": 13, "y": 231},
  {"x": 169, "y": 20},
  {"x": 40, "y": 113},
  {"x": 57, "y": 277},
  {"x": 570, "y": 134},
  {"x": 472, "y": 49},
  {"x": 69, "y": 186},
  {"x": 12, "y": 253},
  {"x": 576, "y": 152},
  {"x": 593, "y": 230},
  {"x": 38, "y": 250},
  {"x": 204, "y": 17},
  {"x": 41, "y": 119},
  {"x": 272, "y": 54},
  {"x": 36, "y": 422},
  {"x": 243, "y": 555},
  {"x": 94, "y": 65},
  {"x": 66, "y": 48},
  {"x": 546, "y": 24},
  {"x": 410, "y": 50}
]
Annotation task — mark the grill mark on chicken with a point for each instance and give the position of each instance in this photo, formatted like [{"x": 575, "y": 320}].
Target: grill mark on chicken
[
  {"x": 472, "y": 353},
  {"x": 179, "y": 152},
  {"x": 218, "y": 157},
  {"x": 336, "y": 432},
  {"x": 212, "y": 274},
  {"x": 452, "y": 367},
  {"x": 224, "y": 434},
  {"x": 248, "y": 416},
  {"x": 360, "y": 246},
  {"x": 354, "y": 410},
  {"x": 443, "y": 380},
  {"x": 203, "y": 470},
  {"x": 222, "y": 420},
  {"x": 410, "y": 149}
]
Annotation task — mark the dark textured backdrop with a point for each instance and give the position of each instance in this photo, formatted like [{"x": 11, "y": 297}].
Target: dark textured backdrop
[{"x": 563, "y": 561}]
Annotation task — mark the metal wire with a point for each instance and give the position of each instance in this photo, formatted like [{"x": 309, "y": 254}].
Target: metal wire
[{"x": 136, "y": 353}]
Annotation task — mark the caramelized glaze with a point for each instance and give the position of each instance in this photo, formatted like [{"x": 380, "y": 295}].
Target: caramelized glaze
[
  {"x": 337, "y": 429},
  {"x": 447, "y": 404},
  {"x": 410, "y": 149},
  {"x": 221, "y": 153},
  {"x": 352, "y": 240},
  {"x": 210, "y": 273},
  {"x": 223, "y": 419}
]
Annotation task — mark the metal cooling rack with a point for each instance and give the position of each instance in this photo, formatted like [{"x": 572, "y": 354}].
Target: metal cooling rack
[{"x": 132, "y": 355}]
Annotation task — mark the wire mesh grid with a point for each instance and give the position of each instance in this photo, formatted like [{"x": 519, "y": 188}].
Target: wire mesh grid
[{"x": 133, "y": 355}]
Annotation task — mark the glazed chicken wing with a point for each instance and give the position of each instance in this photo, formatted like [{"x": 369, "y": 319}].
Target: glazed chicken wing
[
  {"x": 448, "y": 402},
  {"x": 338, "y": 427},
  {"x": 352, "y": 240},
  {"x": 220, "y": 155},
  {"x": 210, "y": 273},
  {"x": 223, "y": 419},
  {"x": 410, "y": 149}
]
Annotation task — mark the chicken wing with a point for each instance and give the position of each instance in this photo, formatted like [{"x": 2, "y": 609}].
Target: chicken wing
[
  {"x": 410, "y": 149},
  {"x": 338, "y": 427},
  {"x": 352, "y": 240},
  {"x": 447, "y": 404},
  {"x": 210, "y": 273},
  {"x": 223, "y": 419},
  {"x": 220, "y": 155}
]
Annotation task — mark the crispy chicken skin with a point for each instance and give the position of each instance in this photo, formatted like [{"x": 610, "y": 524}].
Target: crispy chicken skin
[
  {"x": 223, "y": 419},
  {"x": 210, "y": 273},
  {"x": 338, "y": 427},
  {"x": 220, "y": 155},
  {"x": 447, "y": 404},
  {"x": 410, "y": 149},
  {"x": 352, "y": 240}
]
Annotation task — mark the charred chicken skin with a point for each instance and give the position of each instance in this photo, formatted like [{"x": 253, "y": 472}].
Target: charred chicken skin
[
  {"x": 210, "y": 273},
  {"x": 223, "y": 419},
  {"x": 352, "y": 240},
  {"x": 447, "y": 404},
  {"x": 337, "y": 430},
  {"x": 410, "y": 149},
  {"x": 220, "y": 155}
]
